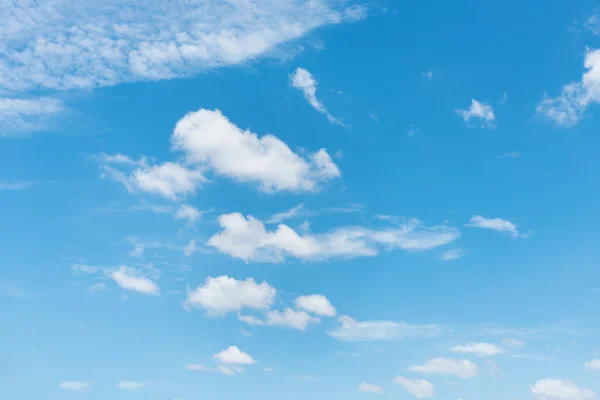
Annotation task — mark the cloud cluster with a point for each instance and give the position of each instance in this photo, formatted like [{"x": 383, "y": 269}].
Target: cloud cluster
[
  {"x": 210, "y": 143},
  {"x": 350, "y": 330},
  {"x": 557, "y": 389},
  {"x": 248, "y": 239},
  {"x": 567, "y": 108}
]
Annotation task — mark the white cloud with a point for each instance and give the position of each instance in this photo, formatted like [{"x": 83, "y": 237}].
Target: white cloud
[
  {"x": 128, "y": 279},
  {"x": 250, "y": 320},
  {"x": 20, "y": 116},
  {"x": 84, "y": 269},
  {"x": 556, "y": 389},
  {"x": 130, "y": 385},
  {"x": 594, "y": 364},
  {"x": 303, "y": 80},
  {"x": 512, "y": 342},
  {"x": 195, "y": 367},
  {"x": 428, "y": 74},
  {"x": 190, "y": 248},
  {"x": 289, "y": 318},
  {"x": 210, "y": 140},
  {"x": 317, "y": 304},
  {"x": 369, "y": 388},
  {"x": 495, "y": 224},
  {"x": 188, "y": 213},
  {"x": 233, "y": 355},
  {"x": 62, "y": 44},
  {"x": 96, "y": 287},
  {"x": 14, "y": 185},
  {"x": 350, "y": 330},
  {"x": 75, "y": 386},
  {"x": 444, "y": 366},
  {"x": 280, "y": 217},
  {"x": 417, "y": 387},
  {"x": 223, "y": 294},
  {"x": 137, "y": 251},
  {"x": 593, "y": 24},
  {"x": 248, "y": 239},
  {"x": 513, "y": 155},
  {"x": 480, "y": 349},
  {"x": 569, "y": 106},
  {"x": 453, "y": 254},
  {"x": 481, "y": 111}
]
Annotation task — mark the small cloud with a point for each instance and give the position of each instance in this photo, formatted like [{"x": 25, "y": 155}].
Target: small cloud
[
  {"x": 480, "y": 111},
  {"x": 22, "y": 185},
  {"x": 130, "y": 385},
  {"x": 233, "y": 355},
  {"x": 129, "y": 279},
  {"x": 513, "y": 155},
  {"x": 479, "y": 349},
  {"x": 512, "y": 342},
  {"x": 495, "y": 224},
  {"x": 267, "y": 369},
  {"x": 188, "y": 213},
  {"x": 137, "y": 251},
  {"x": 75, "y": 386},
  {"x": 412, "y": 131},
  {"x": 304, "y": 81},
  {"x": 453, "y": 254},
  {"x": 419, "y": 388},
  {"x": 428, "y": 74},
  {"x": 282, "y": 216},
  {"x": 444, "y": 366},
  {"x": 369, "y": 388},
  {"x": 190, "y": 248},
  {"x": 504, "y": 98},
  {"x": 594, "y": 364},
  {"x": 82, "y": 269},
  {"x": 96, "y": 287}
]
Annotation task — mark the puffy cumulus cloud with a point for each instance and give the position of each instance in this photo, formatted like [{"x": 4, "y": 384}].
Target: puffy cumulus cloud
[
  {"x": 210, "y": 140},
  {"x": 130, "y": 385},
  {"x": 480, "y": 349},
  {"x": 556, "y": 389},
  {"x": 223, "y": 294},
  {"x": 594, "y": 364},
  {"x": 567, "y": 108},
  {"x": 317, "y": 304},
  {"x": 68, "y": 44},
  {"x": 417, "y": 387},
  {"x": 247, "y": 238},
  {"x": 130, "y": 279},
  {"x": 350, "y": 330},
  {"x": 20, "y": 116},
  {"x": 234, "y": 356},
  {"x": 480, "y": 111},
  {"x": 445, "y": 366},
  {"x": 76, "y": 386},
  {"x": 289, "y": 318},
  {"x": 369, "y": 388},
  {"x": 304, "y": 81},
  {"x": 495, "y": 224}
]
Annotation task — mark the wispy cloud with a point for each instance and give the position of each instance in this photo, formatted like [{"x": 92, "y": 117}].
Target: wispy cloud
[
  {"x": 495, "y": 224},
  {"x": 15, "y": 185},
  {"x": 22, "y": 116},
  {"x": 304, "y": 81}
]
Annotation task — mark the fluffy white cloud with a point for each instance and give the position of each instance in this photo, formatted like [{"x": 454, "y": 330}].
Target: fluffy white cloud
[
  {"x": 289, "y": 318},
  {"x": 130, "y": 385},
  {"x": 495, "y": 224},
  {"x": 26, "y": 115},
  {"x": 350, "y": 330},
  {"x": 417, "y": 387},
  {"x": 303, "y": 80},
  {"x": 129, "y": 279},
  {"x": 210, "y": 140},
  {"x": 76, "y": 386},
  {"x": 369, "y": 388},
  {"x": 480, "y": 349},
  {"x": 569, "y": 106},
  {"x": 453, "y": 254},
  {"x": 223, "y": 294},
  {"x": 233, "y": 355},
  {"x": 66, "y": 44},
  {"x": 188, "y": 213},
  {"x": 594, "y": 364},
  {"x": 444, "y": 366},
  {"x": 480, "y": 111},
  {"x": 248, "y": 239},
  {"x": 317, "y": 304},
  {"x": 556, "y": 389}
]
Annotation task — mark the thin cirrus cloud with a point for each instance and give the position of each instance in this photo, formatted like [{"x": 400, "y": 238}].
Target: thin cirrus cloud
[
  {"x": 453, "y": 254},
  {"x": 130, "y": 386},
  {"x": 478, "y": 111},
  {"x": 444, "y": 366},
  {"x": 419, "y": 388},
  {"x": 212, "y": 143},
  {"x": 495, "y": 224},
  {"x": 479, "y": 349},
  {"x": 247, "y": 238},
  {"x": 569, "y": 106},
  {"x": 369, "y": 388},
  {"x": 75, "y": 386},
  {"x": 350, "y": 330},
  {"x": 304, "y": 81},
  {"x": 26, "y": 115},
  {"x": 557, "y": 389},
  {"x": 14, "y": 185}
]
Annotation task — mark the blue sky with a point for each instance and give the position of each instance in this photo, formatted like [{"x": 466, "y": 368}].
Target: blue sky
[{"x": 290, "y": 199}]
